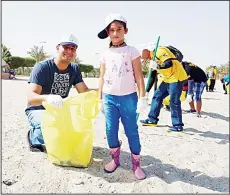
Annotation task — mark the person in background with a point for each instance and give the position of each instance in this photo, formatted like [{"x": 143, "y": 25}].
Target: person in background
[
  {"x": 196, "y": 84},
  {"x": 174, "y": 75},
  {"x": 12, "y": 74},
  {"x": 212, "y": 78},
  {"x": 225, "y": 82}
]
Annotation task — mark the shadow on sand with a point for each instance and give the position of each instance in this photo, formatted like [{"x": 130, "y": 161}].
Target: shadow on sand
[
  {"x": 215, "y": 115},
  {"x": 223, "y": 137},
  {"x": 210, "y": 114},
  {"x": 153, "y": 168},
  {"x": 210, "y": 98}
]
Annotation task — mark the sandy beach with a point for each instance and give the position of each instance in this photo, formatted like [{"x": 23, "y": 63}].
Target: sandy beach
[{"x": 196, "y": 161}]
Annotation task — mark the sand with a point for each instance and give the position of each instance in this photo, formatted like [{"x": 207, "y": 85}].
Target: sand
[{"x": 196, "y": 161}]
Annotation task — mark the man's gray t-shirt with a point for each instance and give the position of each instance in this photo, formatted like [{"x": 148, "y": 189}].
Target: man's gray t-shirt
[{"x": 53, "y": 80}]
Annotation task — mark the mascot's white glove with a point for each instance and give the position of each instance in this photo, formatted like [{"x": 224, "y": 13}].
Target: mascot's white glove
[
  {"x": 153, "y": 64},
  {"x": 55, "y": 100},
  {"x": 189, "y": 98},
  {"x": 142, "y": 105}
]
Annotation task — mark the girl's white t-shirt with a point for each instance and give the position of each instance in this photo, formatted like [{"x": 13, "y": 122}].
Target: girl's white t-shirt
[{"x": 119, "y": 76}]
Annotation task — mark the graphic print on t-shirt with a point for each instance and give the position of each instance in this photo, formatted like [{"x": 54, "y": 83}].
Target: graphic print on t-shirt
[
  {"x": 109, "y": 81},
  {"x": 124, "y": 68},
  {"x": 120, "y": 68},
  {"x": 126, "y": 64},
  {"x": 119, "y": 76},
  {"x": 60, "y": 84},
  {"x": 114, "y": 69}
]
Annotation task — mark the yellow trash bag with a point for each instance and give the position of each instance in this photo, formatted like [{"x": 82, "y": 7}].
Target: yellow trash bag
[{"x": 68, "y": 132}]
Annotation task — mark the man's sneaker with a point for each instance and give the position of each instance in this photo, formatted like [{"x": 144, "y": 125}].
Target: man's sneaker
[
  {"x": 198, "y": 116},
  {"x": 176, "y": 128},
  {"x": 147, "y": 122},
  {"x": 190, "y": 111}
]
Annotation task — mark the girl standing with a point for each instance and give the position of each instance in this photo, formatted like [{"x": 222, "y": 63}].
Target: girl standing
[{"x": 119, "y": 72}]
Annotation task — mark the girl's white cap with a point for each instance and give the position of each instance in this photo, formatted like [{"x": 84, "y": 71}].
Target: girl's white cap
[{"x": 108, "y": 20}]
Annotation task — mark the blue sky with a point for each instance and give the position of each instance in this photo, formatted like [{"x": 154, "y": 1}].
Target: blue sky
[{"x": 199, "y": 29}]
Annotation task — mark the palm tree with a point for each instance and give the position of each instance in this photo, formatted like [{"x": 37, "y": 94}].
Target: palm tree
[
  {"x": 6, "y": 55},
  {"x": 38, "y": 53}
]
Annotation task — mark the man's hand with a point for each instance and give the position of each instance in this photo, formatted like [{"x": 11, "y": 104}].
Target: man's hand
[
  {"x": 81, "y": 87},
  {"x": 153, "y": 64},
  {"x": 55, "y": 100},
  {"x": 142, "y": 105}
]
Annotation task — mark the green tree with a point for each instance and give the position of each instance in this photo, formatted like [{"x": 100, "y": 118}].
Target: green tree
[
  {"x": 17, "y": 62},
  {"x": 85, "y": 68},
  {"x": 95, "y": 72},
  {"x": 6, "y": 55},
  {"x": 29, "y": 62},
  {"x": 38, "y": 53},
  {"x": 145, "y": 67}
]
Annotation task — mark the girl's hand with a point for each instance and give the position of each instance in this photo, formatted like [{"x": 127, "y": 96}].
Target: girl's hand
[{"x": 142, "y": 105}]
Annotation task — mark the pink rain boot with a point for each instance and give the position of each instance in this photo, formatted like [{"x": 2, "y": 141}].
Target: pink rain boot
[
  {"x": 114, "y": 163},
  {"x": 139, "y": 173}
]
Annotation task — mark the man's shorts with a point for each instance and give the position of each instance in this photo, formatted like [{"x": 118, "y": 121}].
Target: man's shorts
[{"x": 198, "y": 89}]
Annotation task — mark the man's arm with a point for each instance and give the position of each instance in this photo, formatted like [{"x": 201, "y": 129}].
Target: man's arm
[
  {"x": 36, "y": 81},
  {"x": 78, "y": 83},
  {"x": 33, "y": 95},
  {"x": 139, "y": 76},
  {"x": 81, "y": 87}
]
